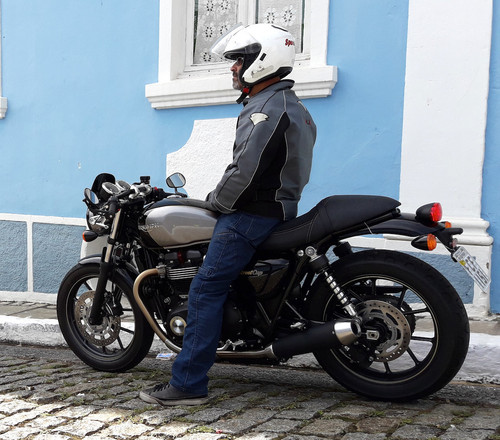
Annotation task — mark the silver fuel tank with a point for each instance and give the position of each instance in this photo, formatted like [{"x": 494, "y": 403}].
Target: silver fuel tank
[{"x": 174, "y": 223}]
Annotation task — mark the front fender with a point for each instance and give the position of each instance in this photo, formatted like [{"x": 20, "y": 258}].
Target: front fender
[{"x": 129, "y": 272}]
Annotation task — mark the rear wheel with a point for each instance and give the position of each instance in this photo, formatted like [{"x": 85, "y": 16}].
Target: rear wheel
[
  {"x": 415, "y": 328},
  {"x": 124, "y": 337}
]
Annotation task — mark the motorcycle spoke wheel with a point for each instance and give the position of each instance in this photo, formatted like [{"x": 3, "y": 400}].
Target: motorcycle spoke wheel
[
  {"x": 415, "y": 329},
  {"x": 122, "y": 339}
]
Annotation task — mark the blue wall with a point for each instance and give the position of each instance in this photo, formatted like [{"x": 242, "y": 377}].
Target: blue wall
[
  {"x": 491, "y": 193},
  {"x": 13, "y": 247},
  {"x": 358, "y": 150},
  {"x": 74, "y": 74}
]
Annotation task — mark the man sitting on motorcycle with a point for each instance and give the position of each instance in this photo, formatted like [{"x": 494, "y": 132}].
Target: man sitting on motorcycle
[{"x": 272, "y": 158}]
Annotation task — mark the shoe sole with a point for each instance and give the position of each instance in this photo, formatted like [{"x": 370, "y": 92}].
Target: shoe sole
[{"x": 191, "y": 401}]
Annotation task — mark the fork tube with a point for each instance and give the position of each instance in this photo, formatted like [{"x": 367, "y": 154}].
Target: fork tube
[{"x": 95, "y": 317}]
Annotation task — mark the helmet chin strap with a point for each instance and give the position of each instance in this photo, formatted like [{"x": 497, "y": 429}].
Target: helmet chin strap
[{"x": 244, "y": 93}]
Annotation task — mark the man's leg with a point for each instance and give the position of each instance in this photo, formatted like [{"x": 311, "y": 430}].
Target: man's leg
[{"x": 233, "y": 244}]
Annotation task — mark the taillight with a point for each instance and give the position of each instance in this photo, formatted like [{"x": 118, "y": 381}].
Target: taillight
[
  {"x": 430, "y": 213},
  {"x": 436, "y": 212}
]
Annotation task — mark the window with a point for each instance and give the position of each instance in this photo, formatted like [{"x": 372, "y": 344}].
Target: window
[
  {"x": 189, "y": 76},
  {"x": 3, "y": 101}
]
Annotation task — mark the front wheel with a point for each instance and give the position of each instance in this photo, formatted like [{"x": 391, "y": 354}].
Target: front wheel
[
  {"x": 415, "y": 328},
  {"x": 124, "y": 337}
]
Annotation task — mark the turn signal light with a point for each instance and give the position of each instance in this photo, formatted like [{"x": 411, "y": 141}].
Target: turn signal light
[
  {"x": 430, "y": 213},
  {"x": 425, "y": 242},
  {"x": 89, "y": 236}
]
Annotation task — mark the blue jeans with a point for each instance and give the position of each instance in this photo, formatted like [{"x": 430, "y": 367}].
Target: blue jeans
[{"x": 235, "y": 239}]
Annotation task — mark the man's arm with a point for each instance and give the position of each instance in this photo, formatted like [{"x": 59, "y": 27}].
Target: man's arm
[{"x": 257, "y": 142}]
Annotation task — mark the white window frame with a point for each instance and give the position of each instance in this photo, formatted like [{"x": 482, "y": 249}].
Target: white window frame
[
  {"x": 182, "y": 85},
  {"x": 3, "y": 101}
]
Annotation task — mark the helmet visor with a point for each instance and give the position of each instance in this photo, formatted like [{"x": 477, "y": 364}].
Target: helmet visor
[{"x": 219, "y": 47}]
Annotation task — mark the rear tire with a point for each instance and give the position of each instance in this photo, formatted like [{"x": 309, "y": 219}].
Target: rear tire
[
  {"x": 420, "y": 319},
  {"x": 123, "y": 339}
]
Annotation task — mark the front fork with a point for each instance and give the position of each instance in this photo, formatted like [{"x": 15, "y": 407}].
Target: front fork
[{"x": 106, "y": 265}]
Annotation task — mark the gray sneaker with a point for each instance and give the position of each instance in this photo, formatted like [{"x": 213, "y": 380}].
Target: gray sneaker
[{"x": 167, "y": 395}]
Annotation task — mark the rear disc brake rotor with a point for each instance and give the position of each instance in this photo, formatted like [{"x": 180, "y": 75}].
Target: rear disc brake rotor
[
  {"x": 101, "y": 335},
  {"x": 397, "y": 329}
]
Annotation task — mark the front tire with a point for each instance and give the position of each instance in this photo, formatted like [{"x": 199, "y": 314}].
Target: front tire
[
  {"x": 421, "y": 323},
  {"x": 122, "y": 340}
]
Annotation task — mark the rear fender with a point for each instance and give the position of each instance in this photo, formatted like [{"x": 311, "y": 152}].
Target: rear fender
[{"x": 406, "y": 225}]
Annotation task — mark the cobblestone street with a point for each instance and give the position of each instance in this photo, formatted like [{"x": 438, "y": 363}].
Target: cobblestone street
[{"x": 49, "y": 394}]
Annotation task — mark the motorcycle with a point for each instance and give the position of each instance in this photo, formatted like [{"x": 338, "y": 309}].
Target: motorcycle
[{"x": 383, "y": 324}]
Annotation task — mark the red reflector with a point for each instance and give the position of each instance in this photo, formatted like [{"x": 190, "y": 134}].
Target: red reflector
[{"x": 436, "y": 212}]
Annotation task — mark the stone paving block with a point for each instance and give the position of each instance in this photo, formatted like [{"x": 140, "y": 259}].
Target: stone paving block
[
  {"x": 364, "y": 436},
  {"x": 173, "y": 429},
  {"x": 454, "y": 433},
  {"x": 19, "y": 418},
  {"x": 108, "y": 415},
  {"x": 279, "y": 425},
  {"x": 350, "y": 411},
  {"x": 440, "y": 416},
  {"x": 232, "y": 404},
  {"x": 233, "y": 426},
  {"x": 79, "y": 428},
  {"x": 47, "y": 422},
  {"x": 321, "y": 404},
  {"x": 297, "y": 414},
  {"x": 75, "y": 412},
  {"x": 326, "y": 427},
  {"x": 484, "y": 418},
  {"x": 15, "y": 406},
  {"x": 208, "y": 415},
  {"x": 373, "y": 425},
  {"x": 51, "y": 437},
  {"x": 278, "y": 402},
  {"x": 126, "y": 430},
  {"x": 18, "y": 433},
  {"x": 158, "y": 417},
  {"x": 415, "y": 432},
  {"x": 263, "y": 436},
  {"x": 301, "y": 437}
]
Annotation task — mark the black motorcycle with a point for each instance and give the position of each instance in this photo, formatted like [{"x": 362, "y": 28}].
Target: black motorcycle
[{"x": 383, "y": 324}]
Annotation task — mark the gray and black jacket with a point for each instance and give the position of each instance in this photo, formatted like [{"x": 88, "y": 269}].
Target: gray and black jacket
[{"x": 272, "y": 156}]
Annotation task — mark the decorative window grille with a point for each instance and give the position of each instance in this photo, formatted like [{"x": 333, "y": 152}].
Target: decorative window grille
[{"x": 213, "y": 18}]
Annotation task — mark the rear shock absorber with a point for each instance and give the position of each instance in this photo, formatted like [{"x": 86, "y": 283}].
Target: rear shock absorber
[{"x": 321, "y": 265}]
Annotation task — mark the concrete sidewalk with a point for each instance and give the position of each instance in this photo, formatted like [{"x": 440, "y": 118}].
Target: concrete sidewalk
[{"x": 29, "y": 323}]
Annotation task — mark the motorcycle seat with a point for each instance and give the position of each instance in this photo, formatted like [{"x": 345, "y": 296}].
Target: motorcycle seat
[{"x": 333, "y": 214}]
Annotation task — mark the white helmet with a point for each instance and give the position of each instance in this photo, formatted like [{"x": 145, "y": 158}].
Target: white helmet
[{"x": 267, "y": 51}]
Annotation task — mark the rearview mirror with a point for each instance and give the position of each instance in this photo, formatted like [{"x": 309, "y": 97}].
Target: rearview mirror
[{"x": 176, "y": 180}]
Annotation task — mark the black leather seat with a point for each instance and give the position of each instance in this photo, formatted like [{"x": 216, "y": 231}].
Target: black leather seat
[{"x": 331, "y": 215}]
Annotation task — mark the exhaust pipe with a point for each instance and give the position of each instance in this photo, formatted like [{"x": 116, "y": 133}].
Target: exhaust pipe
[{"x": 332, "y": 334}]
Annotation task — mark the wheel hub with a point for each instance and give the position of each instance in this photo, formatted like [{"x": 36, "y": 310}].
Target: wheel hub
[
  {"x": 101, "y": 335},
  {"x": 394, "y": 328}
]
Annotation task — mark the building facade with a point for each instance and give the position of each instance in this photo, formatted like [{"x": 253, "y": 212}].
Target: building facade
[{"x": 405, "y": 94}]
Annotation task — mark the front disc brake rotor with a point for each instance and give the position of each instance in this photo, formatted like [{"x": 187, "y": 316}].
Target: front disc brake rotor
[
  {"x": 101, "y": 335},
  {"x": 397, "y": 331}
]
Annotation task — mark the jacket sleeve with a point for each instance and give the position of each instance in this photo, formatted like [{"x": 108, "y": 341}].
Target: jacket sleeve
[{"x": 258, "y": 136}]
